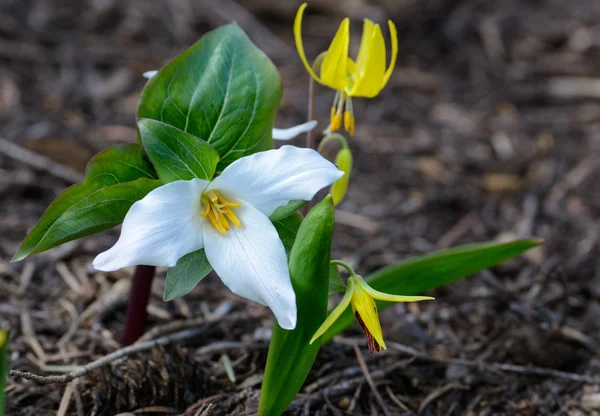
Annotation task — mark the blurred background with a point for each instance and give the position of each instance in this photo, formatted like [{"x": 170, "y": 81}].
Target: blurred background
[{"x": 489, "y": 130}]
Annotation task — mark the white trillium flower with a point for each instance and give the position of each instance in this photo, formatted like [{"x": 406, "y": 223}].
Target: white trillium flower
[
  {"x": 278, "y": 134},
  {"x": 228, "y": 217}
]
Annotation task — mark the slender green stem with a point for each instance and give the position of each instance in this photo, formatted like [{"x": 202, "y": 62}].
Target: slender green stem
[
  {"x": 345, "y": 266},
  {"x": 330, "y": 138}
]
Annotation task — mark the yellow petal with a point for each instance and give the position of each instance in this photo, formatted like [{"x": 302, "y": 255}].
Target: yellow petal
[
  {"x": 394, "y": 40},
  {"x": 334, "y": 72},
  {"x": 370, "y": 64},
  {"x": 336, "y": 312},
  {"x": 299, "y": 45},
  {"x": 364, "y": 305},
  {"x": 375, "y": 294}
]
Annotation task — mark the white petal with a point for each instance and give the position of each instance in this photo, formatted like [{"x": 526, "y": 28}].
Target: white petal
[
  {"x": 159, "y": 229},
  {"x": 150, "y": 74},
  {"x": 271, "y": 179},
  {"x": 288, "y": 134},
  {"x": 251, "y": 261}
]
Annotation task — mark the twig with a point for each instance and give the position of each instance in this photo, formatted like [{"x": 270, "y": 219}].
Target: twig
[
  {"x": 30, "y": 337},
  {"x": 217, "y": 315},
  {"x": 439, "y": 393},
  {"x": 356, "y": 220},
  {"x": 365, "y": 371},
  {"x": 107, "y": 359},
  {"x": 65, "y": 401},
  {"x": 510, "y": 368},
  {"x": 39, "y": 162}
]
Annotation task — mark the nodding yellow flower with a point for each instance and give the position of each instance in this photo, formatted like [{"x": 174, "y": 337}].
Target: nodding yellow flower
[
  {"x": 364, "y": 77},
  {"x": 362, "y": 298}
]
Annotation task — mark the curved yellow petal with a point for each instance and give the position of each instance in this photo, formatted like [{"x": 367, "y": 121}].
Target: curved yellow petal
[
  {"x": 394, "y": 40},
  {"x": 334, "y": 72},
  {"x": 364, "y": 305},
  {"x": 375, "y": 294},
  {"x": 299, "y": 45},
  {"x": 365, "y": 46},
  {"x": 336, "y": 312},
  {"x": 370, "y": 64}
]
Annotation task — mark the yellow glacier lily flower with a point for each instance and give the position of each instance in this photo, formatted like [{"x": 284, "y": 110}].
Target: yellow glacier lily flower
[
  {"x": 362, "y": 298},
  {"x": 364, "y": 77}
]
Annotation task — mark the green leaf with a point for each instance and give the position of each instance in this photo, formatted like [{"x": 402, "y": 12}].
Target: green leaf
[
  {"x": 420, "y": 274},
  {"x": 114, "y": 180},
  {"x": 223, "y": 89},
  {"x": 287, "y": 228},
  {"x": 175, "y": 154},
  {"x": 291, "y": 207},
  {"x": 4, "y": 365},
  {"x": 290, "y": 356},
  {"x": 186, "y": 274}
]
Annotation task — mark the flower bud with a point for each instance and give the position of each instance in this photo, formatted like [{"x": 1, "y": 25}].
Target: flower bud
[{"x": 343, "y": 161}]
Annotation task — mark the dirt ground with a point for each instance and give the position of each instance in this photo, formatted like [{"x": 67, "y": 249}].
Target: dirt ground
[{"x": 488, "y": 130}]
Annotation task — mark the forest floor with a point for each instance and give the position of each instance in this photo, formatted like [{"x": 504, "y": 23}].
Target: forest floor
[{"x": 489, "y": 130}]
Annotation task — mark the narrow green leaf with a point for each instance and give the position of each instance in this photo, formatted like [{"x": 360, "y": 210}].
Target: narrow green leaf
[
  {"x": 121, "y": 174},
  {"x": 287, "y": 210},
  {"x": 186, "y": 274},
  {"x": 290, "y": 356},
  {"x": 420, "y": 274},
  {"x": 223, "y": 89},
  {"x": 4, "y": 365},
  {"x": 175, "y": 154}
]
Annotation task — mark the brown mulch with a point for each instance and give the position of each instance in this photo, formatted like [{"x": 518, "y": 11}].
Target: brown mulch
[{"x": 488, "y": 130}]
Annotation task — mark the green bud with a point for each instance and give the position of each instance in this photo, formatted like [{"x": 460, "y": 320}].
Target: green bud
[{"x": 343, "y": 161}]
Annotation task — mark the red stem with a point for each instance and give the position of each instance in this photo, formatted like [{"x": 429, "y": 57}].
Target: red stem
[
  {"x": 310, "y": 137},
  {"x": 139, "y": 295}
]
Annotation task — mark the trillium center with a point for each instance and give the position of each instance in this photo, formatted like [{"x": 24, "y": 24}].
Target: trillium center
[{"x": 219, "y": 211}]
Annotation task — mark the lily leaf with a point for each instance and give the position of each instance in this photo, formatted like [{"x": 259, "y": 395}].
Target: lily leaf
[
  {"x": 420, "y": 274},
  {"x": 175, "y": 154},
  {"x": 286, "y": 210},
  {"x": 223, "y": 89},
  {"x": 114, "y": 180},
  {"x": 186, "y": 274},
  {"x": 290, "y": 356}
]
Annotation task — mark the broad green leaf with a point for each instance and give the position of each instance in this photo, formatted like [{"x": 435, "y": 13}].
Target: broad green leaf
[
  {"x": 3, "y": 367},
  {"x": 286, "y": 210},
  {"x": 223, "y": 89},
  {"x": 186, "y": 274},
  {"x": 175, "y": 154},
  {"x": 420, "y": 274},
  {"x": 120, "y": 174},
  {"x": 290, "y": 356}
]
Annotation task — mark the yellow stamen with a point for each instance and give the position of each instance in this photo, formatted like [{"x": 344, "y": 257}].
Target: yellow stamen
[
  {"x": 349, "y": 122},
  {"x": 218, "y": 210}
]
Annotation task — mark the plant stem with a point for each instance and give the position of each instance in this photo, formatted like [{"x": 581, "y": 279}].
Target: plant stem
[
  {"x": 139, "y": 295},
  {"x": 310, "y": 137}
]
